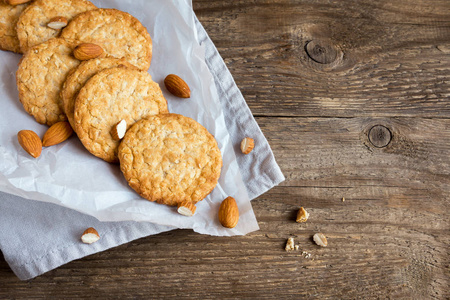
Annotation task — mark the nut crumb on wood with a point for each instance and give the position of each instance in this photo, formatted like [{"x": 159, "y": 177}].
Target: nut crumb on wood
[
  {"x": 320, "y": 239},
  {"x": 296, "y": 247},
  {"x": 290, "y": 244},
  {"x": 343, "y": 199},
  {"x": 302, "y": 215}
]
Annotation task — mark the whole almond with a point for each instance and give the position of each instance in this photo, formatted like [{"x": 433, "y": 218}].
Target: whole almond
[
  {"x": 177, "y": 86},
  {"x": 57, "y": 133},
  {"x": 16, "y": 2},
  {"x": 228, "y": 213},
  {"x": 57, "y": 23},
  {"x": 86, "y": 51},
  {"x": 30, "y": 142}
]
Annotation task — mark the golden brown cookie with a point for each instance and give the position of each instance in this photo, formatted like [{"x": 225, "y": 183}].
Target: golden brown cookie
[
  {"x": 32, "y": 26},
  {"x": 9, "y": 15},
  {"x": 169, "y": 159},
  {"x": 119, "y": 33},
  {"x": 40, "y": 78},
  {"x": 79, "y": 76},
  {"x": 107, "y": 98}
]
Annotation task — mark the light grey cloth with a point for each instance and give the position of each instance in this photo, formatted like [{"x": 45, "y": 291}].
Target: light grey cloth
[{"x": 36, "y": 237}]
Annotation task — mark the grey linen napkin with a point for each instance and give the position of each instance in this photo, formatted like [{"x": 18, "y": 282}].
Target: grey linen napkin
[{"x": 36, "y": 237}]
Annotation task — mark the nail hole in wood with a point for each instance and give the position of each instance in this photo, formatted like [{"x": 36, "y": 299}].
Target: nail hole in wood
[{"x": 380, "y": 136}]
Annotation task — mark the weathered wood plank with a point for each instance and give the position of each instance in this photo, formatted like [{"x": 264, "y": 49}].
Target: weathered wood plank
[
  {"x": 389, "y": 238},
  {"x": 394, "y": 56}
]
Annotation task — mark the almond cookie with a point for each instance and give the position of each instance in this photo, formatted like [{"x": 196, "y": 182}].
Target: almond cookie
[
  {"x": 79, "y": 76},
  {"x": 169, "y": 159},
  {"x": 107, "y": 98},
  {"x": 32, "y": 27},
  {"x": 120, "y": 34},
  {"x": 9, "y": 15},
  {"x": 40, "y": 78}
]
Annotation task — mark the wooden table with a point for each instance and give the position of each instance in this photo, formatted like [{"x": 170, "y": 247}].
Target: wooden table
[{"x": 354, "y": 98}]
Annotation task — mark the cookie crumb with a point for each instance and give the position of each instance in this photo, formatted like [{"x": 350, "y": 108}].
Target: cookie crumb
[
  {"x": 302, "y": 215},
  {"x": 290, "y": 244},
  {"x": 343, "y": 199},
  {"x": 296, "y": 247}
]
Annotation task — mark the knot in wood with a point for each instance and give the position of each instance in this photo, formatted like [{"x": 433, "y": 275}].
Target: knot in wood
[
  {"x": 380, "y": 136},
  {"x": 322, "y": 52}
]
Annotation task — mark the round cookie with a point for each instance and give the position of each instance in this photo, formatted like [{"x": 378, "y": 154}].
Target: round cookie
[
  {"x": 119, "y": 33},
  {"x": 9, "y": 15},
  {"x": 40, "y": 78},
  {"x": 79, "y": 76},
  {"x": 169, "y": 159},
  {"x": 107, "y": 98},
  {"x": 32, "y": 26}
]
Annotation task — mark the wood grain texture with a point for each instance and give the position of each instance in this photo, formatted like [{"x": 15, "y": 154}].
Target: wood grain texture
[{"x": 370, "y": 63}]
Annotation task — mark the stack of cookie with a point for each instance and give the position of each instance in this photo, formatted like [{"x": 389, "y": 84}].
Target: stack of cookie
[{"x": 88, "y": 66}]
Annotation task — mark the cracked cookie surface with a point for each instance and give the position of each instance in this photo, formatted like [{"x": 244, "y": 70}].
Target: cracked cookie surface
[
  {"x": 40, "y": 78},
  {"x": 170, "y": 159},
  {"x": 120, "y": 34},
  {"x": 32, "y": 26},
  {"x": 107, "y": 98},
  {"x": 9, "y": 15},
  {"x": 78, "y": 78}
]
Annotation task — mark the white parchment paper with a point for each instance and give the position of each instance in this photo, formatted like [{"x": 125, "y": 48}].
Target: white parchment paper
[{"x": 66, "y": 174}]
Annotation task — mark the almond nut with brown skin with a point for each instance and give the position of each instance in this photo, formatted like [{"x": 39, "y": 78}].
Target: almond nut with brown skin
[
  {"x": 228, "y": 213},
  {"x": 57, "y": 23},
  {"x": 87, "y": 51},
  {"x": 177, "y": 86},
  {"x": 30, "y": 142},
  {"x": 57, "y": 133},
  {"x": 247, "y": 145},
  {"x": 90, "y": 236},
  {"x": 320, "y": 239},
  {"x": 118, "y": 131},
  {"x": 16, "y": 2},
  {"x": 186, "y": 208}
]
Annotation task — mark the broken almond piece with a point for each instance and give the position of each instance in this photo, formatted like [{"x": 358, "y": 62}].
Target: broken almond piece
[
  {"x": 186, "y": 208},
  {"x": 87, "y": 51},
  {"x": 228, "y": 213},
  {"x": 320, "y": 239},
  {"x": 30, "y": 142},
  {"x": 57, "y": 23},
  {"x": 247, "y": 145},
  {"x": 302, "y": 215},
  {"x": 290, "y": 244},
  {"x": 118, "y": 131},
  {"x": 57, "y": 133},
  {"x": 177, "y": 86},
  {"x": 90, "y": 236}
]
